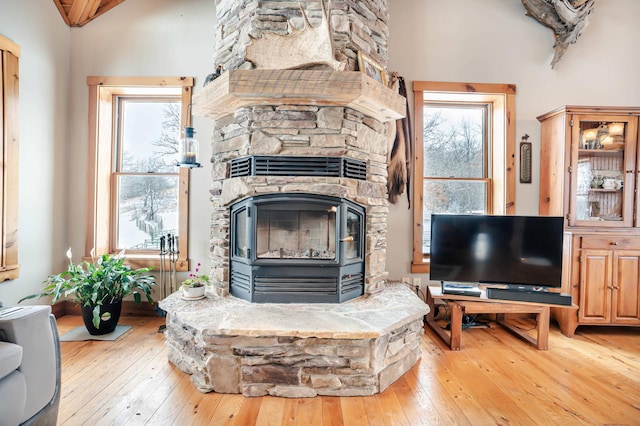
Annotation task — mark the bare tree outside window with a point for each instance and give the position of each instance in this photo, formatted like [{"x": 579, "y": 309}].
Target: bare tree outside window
[{"x": 167, "y": 144}]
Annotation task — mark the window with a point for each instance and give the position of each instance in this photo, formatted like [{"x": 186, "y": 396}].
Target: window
[
  {"x": 146, "y": 176},
  {"x": 138, "y": 193},
  {"x": 456, "y": 176},
  {"x": 9, "y": 71},
  {"x": 464, "y": 155}
]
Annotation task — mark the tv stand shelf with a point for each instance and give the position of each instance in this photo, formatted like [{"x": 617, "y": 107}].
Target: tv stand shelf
[{"x": 461, "y": 305}]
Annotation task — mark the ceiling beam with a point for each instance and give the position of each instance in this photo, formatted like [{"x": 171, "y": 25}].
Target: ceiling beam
[
  {"x": 62, "y": 11},
  {"x": 83, "y": 11},
  {"x": 77, "y": 13}
]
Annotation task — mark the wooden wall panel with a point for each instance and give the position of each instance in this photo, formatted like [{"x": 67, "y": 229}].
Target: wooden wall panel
[{"x": 9, "y": 85}]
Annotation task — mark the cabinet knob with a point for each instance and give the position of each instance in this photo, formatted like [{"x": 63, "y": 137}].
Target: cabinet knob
[{"x": 614, "y": 243}]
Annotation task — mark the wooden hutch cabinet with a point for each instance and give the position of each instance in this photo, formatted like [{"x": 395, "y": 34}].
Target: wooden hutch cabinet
[{"x": 589, "y": 173}]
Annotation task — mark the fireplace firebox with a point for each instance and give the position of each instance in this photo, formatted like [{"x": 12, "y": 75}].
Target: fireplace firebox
[{"x": 297, "y": 248}]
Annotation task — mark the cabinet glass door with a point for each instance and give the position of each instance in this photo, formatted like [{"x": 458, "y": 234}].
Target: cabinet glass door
[{"x": 603, "y": 170}]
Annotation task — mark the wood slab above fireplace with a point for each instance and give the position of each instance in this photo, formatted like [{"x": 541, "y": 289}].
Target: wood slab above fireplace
[{"x": 242, "y": 88}]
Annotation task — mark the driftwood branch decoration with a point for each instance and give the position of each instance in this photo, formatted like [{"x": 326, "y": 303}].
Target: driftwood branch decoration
[
  {"x": 566, "y": 18},
  {"x": 302, "y": 48}
]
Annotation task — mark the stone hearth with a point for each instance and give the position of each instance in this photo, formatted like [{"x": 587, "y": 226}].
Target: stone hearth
[{"x": 360, "y": 347}]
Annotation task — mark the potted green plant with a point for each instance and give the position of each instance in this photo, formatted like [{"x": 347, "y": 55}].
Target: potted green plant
[
  {"x": 99, "y": 287},
  {"x": 194, "y": 286}
]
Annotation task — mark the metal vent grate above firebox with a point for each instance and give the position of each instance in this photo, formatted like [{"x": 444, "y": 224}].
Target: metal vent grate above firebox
[{"x": 299, "y": 166}]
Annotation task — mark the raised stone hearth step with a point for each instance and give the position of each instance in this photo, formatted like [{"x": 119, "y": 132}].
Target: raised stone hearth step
[{"x": 296, "y": 350}]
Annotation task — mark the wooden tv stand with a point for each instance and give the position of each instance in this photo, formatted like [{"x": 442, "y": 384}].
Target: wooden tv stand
[{"x": 461, "y": 305}]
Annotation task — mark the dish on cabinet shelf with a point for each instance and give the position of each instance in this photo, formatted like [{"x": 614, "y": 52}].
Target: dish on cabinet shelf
[
  {"x": 605, "y": 189},
  {"x": 606, "y": 217},
  {"x": 585, "y": 152}
]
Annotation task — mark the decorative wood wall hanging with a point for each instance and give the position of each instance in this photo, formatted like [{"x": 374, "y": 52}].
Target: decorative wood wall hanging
[{"x": 566, "y": 18}]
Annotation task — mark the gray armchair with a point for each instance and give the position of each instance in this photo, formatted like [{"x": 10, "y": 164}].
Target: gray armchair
[{"x": 29, "y": 366}]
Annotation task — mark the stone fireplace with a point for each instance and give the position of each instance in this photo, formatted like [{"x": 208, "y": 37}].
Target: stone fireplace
[
  {"x": 299, "y": 210},
  {"x": 334, "y": 117}
]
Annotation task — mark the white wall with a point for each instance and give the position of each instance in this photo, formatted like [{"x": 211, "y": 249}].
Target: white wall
[
  {"x": 144, "y": 38},
  {"x": 488, "y": 41},
  {"x": 43, "y": 37},
  {"x": 492, "y": 41},
  {"x": 137, "y": 38}
]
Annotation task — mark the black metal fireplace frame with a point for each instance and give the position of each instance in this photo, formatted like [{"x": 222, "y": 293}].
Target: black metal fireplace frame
[{"x": 300, "y": 280}]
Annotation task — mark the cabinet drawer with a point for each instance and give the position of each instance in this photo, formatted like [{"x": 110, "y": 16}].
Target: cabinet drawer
[{"x": 611, "y": 243}]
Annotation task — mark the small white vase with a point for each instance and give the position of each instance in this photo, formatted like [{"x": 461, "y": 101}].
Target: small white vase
[{"x": 193, "y": 292}]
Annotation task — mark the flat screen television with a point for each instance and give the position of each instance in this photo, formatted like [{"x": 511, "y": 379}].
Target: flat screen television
[{"x": 523, "y": 252}]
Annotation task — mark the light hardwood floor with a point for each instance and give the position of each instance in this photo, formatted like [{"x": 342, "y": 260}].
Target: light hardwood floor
[{"x": 592, "y": 378}]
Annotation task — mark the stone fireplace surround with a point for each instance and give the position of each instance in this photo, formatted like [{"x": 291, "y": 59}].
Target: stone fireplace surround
[
  {"x": 358, "y": 347},
  {"x": 298, "y": 350},
  {"x": 300, "y": 113}
]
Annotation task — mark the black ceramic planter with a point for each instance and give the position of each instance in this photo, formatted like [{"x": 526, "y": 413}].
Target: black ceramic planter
[{"x": 109, "y": 316}]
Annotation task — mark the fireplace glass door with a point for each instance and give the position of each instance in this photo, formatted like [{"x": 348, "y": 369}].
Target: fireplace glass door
[
  {"x": 353, "y": 225},
  {"x": 306, "y": 231}
]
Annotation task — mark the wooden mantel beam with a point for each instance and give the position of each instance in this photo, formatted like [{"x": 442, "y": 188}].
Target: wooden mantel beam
[{"x": 242, "y": 88}]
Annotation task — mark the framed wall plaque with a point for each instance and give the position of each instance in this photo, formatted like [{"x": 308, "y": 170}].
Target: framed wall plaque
[{"x": 371, "y": 68}]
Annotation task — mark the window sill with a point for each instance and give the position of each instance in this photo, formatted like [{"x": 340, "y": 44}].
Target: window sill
[
  {"x": 421, "y": 267},
  {"x": 153, "y": 262},
  {"x": 181, "y": 265}
]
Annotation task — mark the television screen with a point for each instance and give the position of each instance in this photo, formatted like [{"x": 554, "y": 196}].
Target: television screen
[{"x": 514, "y": 250}]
